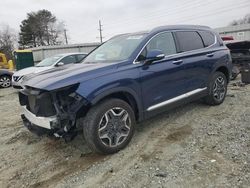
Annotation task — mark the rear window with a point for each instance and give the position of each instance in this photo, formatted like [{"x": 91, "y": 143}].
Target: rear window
[
  {"x": 189, "y": 40},
  {"x": 208, "y": 38}
]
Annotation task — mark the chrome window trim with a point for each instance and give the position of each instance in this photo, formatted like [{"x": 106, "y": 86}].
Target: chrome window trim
[
  {"x": 175, "y": 99},
  {"x": 182, "y": 53}
]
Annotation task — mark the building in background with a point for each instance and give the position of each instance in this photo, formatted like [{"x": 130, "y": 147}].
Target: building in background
[
  {"x": 42, "y": 52},
  {"x": 238, "y": 32}
]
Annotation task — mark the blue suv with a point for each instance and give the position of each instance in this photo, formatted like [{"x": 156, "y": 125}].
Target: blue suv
[{"x": 127, "y": 79}]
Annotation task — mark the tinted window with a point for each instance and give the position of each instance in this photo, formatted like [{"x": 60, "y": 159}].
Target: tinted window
[
  {"x": 69, "y": 59},
  {"x": 164, "y": 42},
  {"x": 80, "y": 57},
  {"x": 189, "y": 40},
  {"x": 208, "y": 38}
]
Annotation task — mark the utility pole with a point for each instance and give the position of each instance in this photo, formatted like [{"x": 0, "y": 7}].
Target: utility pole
[
  {"x": 100, "y": 30},
  {"x": 65, "y": 35}
]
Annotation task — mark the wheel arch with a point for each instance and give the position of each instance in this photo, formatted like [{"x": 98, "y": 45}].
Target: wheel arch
[
  {"x": 8, "y": 75},
  {"x": 224, "y": 70},
  {"x": 126, "y": 94}
]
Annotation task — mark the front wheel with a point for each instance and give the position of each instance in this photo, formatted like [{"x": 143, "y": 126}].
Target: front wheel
[
  {"x": 109, "y": 126},
  {"x": 5, "y": 81},
  {"x": 217, "y": 89}
]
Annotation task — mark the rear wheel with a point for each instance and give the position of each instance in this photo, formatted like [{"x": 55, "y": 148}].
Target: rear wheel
[
  {"x": 109, "y": 126},
  {"x": 217, "y": 89},
  {"x": 5, "y": 81}
]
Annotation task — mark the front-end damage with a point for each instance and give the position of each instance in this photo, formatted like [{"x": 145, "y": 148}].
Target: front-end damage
[{"x": 52, "y": 112}]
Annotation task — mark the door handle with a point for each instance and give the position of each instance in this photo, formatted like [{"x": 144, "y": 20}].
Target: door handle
[
  {"x": 177, "y": 62},
  {"x": 210, "y": 55}
]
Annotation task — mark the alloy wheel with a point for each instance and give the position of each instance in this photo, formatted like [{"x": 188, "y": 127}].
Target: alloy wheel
[
  {"x": 5, "y": 81},
  {"x": 114, "y": 127},
  {"x": 219, "y": 88}
]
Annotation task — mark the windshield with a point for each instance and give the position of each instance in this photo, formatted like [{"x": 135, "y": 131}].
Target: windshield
[
  {"x": 49, "y": 61},
  {"x": 117, "y": 49}
]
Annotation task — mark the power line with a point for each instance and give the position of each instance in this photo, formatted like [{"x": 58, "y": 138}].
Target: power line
[
  {"x": 219, "y": 11},
  {"x": 149, "y": 17},
  {"x": 215, "y": 12},
  {"x": 115, "y": 22},
  {"x": 164, "y": 15},
  {"x": 173, "y": 11},
  {"x": 185, "y": 4},
  {"x": 152, "y": 18}
]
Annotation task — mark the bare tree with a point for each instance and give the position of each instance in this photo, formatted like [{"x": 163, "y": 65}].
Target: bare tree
[
  {"x": 244, "y": 20},
  {"x": 8, "y": 40}
]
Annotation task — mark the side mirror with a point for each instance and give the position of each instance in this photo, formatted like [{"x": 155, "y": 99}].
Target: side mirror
[
  {"x": 154, "y": 55},
  {"x": 60, "y": 64}
]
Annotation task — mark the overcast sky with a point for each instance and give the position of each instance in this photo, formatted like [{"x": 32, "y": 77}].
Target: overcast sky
[{"x": 121, "y": 16}]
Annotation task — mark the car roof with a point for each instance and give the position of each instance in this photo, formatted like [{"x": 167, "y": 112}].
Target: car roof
[
  {"x": 168, "y": 27},
  {"x": 181, "y": 27}
]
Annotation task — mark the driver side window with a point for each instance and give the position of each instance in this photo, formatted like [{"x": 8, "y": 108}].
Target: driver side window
[
  {"x": 163, "y": 41},
  {"x": 69, "y": 59}
]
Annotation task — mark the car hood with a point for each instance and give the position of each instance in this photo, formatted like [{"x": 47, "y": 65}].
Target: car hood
[
  {"x": 59, "y": 77},
  {"x": 31, "y": 70}
]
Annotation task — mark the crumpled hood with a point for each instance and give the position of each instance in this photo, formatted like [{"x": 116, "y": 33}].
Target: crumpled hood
[
  {"x": 31, "y": 70},
  {"x": 66, "y": 75}
]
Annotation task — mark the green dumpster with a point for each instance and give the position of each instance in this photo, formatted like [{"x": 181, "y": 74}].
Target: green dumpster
[{"x": 23, "y": 59}]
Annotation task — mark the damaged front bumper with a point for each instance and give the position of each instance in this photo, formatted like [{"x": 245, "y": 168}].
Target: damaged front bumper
[
  {"x": 54, "y": 113},
  {"x": 44, "y": 122}
]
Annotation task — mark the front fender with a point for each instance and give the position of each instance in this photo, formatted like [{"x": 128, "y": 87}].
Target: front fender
[{"x": 96, "y": 89}]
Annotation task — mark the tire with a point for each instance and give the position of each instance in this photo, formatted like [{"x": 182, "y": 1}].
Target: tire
[
  {"x": 108, "y": 127},
  {"x": 5, "y": 81},
  {"x": 217, "y": 89}
]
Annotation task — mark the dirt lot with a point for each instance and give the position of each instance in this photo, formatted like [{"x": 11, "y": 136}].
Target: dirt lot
[{"x": 192, "y": 146}]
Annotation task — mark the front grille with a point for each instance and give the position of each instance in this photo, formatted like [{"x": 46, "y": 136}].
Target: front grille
[{"x": 41, "y": 105}]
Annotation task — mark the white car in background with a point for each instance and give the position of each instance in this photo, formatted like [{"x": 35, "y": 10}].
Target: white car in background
[{"x": 46, "y": 64}]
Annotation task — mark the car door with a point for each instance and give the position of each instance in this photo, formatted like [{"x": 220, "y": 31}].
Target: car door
[
  {"x": 195, "y": 59},
  {"x": 163, "y": 80}
]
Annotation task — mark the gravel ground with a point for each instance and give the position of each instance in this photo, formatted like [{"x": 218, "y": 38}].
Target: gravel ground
[{"x": 192, "y": 146}]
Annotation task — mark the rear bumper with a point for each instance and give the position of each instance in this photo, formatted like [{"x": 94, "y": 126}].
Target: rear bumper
[{"x": 44, "y": 122}]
